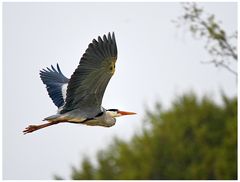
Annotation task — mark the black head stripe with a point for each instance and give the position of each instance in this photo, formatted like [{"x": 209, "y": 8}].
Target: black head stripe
[{"x": 112, "y": 110}]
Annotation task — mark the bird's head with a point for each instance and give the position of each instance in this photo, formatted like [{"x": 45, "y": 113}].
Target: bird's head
[{"x": 117, "y": 113}]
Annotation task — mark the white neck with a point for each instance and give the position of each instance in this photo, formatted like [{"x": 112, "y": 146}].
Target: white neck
[{"x": 113, "y": 114}]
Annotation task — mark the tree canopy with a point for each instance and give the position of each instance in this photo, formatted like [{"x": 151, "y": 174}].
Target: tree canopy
[{"x": 193, "y": 139}]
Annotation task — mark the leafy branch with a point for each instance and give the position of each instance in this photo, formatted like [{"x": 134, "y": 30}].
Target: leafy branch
[{"x": 221, "y": 47}]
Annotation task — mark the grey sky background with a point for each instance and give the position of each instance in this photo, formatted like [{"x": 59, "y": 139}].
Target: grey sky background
[{"x": 156, "y": 62}]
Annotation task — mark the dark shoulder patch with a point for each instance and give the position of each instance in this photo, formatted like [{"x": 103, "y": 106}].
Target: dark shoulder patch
[{"x": 99, "y": 114}]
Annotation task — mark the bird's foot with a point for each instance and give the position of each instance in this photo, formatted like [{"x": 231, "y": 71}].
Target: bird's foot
[{"x": 31, "y": 128}]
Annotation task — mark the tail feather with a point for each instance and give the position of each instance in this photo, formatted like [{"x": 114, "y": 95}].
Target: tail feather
[
  {"x": 54, "y": 81},
  {"x": 54, "y": 117}
]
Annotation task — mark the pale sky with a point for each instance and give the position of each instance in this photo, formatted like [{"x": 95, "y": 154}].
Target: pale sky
[{"x": 155, "y": 63}]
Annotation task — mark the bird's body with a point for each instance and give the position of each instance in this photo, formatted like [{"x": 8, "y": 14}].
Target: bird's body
[
  {"x": 104, "y": 118},
  {"x": 79, "y": 98}
]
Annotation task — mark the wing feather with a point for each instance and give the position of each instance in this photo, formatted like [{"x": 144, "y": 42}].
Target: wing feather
[
  {"x": 54, "y": 81},
  {"x": 89, "y": 81}
]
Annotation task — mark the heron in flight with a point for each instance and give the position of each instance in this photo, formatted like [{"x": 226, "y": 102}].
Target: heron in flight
[{"x": 79, "y": 99}]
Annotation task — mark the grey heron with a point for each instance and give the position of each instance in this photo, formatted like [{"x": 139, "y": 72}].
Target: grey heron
[{"x": 79, "y": 99}]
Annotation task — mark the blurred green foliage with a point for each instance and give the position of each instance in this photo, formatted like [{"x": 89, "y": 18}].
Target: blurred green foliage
[{"x": 193, "y": 139}]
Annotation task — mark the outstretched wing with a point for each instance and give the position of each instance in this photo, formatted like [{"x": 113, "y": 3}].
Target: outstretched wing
[
  {"x": 54, "y": 81},
  {"x": 89, "y": 81}
]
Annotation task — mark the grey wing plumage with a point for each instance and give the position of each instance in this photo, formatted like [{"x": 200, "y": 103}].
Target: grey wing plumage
[
  {"x": 54, "y": 81},
  {"x": 88, "y": 83}
]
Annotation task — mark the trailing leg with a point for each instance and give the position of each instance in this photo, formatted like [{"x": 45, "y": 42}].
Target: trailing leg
[{"x": 32, "y": 128}]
